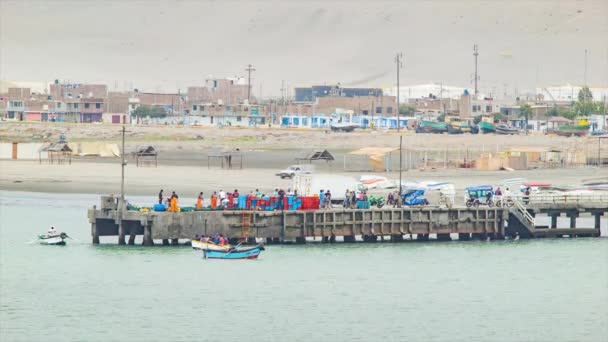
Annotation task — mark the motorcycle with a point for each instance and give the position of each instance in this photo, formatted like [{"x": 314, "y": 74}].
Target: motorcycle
[{"x": 376, "y": 201}]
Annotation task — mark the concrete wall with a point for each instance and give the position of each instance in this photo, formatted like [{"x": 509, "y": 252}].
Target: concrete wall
[
  {"x": 25, "y": 151},
  {"x": 290, "y": 225}
]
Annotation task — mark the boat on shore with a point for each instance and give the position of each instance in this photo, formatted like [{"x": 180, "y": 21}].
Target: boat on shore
[
  {"x": 54, "y": 240},
  {"x": 458, "y": 126},
  {"x": 197, "y": 244},
  {"x": 571, "y": 130},
  {"x": 506, "y": 129},
  {"x": 486, "y": 127},
  {"x": 432, "y": 127},
  {"x": 343, "y": 126},
  {"x": 234, "y": 253}
]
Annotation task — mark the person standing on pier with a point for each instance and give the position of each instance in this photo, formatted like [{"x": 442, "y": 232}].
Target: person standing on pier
[
  {"x": 173, "y": 202},
  {"x": 235, "y": 199},
  {"x": 160, "y": 197},
  {"x": 281, "y": 194},
  {"x": 199, "y": 201},
  {"x": 214, "y": 200},
  {"x": 328, "y": 199}
]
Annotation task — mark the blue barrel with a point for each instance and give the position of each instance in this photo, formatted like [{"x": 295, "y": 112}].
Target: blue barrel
[
  {"x": 160, "y": 207},
  {"x": 242, "y": 202}
]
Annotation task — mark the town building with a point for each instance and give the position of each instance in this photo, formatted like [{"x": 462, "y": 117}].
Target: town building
[
  {"x": 422, "y": 91},
  {"x": 327, "y": 105},
  {"x": 228, "y": 91},
  {"x": 309, "y": 94}
]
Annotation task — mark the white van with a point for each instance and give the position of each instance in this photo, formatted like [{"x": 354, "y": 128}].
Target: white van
[{"x": 293, "y": 170}]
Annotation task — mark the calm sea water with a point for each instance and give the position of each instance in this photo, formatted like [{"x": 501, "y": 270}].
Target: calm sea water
[{"x": 537, "y": 290}]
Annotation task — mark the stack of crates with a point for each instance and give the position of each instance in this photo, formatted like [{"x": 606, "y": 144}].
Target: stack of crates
[{"x": 310, "y": 203}]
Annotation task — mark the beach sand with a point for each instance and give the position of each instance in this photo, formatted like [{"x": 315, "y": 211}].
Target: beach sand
[
  {"x": 183, "y": 158},
  {"x": 104, "y": 178}
]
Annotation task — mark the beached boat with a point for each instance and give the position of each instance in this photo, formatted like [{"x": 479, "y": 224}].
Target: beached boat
[
  {"x": 571, "y": 130},
  {"x": 235, "y": 253},
  {"x": 506, "y": 129},
  {"x": 343, "y": 127},
  {"x": 56, "y": 240},
  {"x": 432, "y": 127},
  {"x": 196, "y": 244},
  {"x": 456, "y": 126},
  {"x": 486, "y": 127}
]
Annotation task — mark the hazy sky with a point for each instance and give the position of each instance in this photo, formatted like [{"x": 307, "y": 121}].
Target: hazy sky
[{"x": 165, "y": 45}]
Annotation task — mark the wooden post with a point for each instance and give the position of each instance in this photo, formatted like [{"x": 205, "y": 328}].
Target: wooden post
[
  {"x": 121, "y": 232},
  {"x": 132, "y": 238},
  {"x": 14, "y": 153},
  {"x": 283, "y": 226},
  {"x": 573, "y": 215},
  {"x": 554, "y": 217},
  {"x": 148, "y": 235},
  {"x": 94, "y": 233}
]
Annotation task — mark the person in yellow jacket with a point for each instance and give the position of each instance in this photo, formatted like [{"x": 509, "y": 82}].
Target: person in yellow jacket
[
  {"x": 199, "y": 201},
  {"x": 214, "y": 200},
  {"x": 173, "y": 203}
]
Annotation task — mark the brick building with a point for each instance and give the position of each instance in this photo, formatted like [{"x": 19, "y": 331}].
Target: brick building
[
  {"x": 220, "y": 91},
  {"x": 74, "y": 90},
  {"x": 360, "y": 105}
]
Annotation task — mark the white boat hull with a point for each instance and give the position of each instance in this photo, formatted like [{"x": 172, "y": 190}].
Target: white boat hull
[
  {"x": 52, "y": 240},
  {"x": 209, "y": 246}
]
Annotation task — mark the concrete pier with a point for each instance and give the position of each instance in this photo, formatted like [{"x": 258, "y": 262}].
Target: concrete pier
[{"x": 370, "y": 225}]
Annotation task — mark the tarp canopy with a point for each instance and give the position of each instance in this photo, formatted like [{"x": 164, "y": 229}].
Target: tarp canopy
[
  {"x": 318, "y": 155},
  {"x": 527, "y": 149},
  {"x": 375, "y": 156},
  {"x": 95, "y": 149},
  {"x": 373, "y": 151}
]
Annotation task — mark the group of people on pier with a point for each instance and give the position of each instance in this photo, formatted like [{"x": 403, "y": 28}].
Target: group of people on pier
[{"x": 171, "y": 202}]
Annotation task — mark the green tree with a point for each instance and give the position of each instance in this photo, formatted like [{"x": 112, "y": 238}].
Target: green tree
[
  {"x": 150, "y": 111},
  {"x": 525, "y": 111},
  {"x": 585, "y": 105},
  {"x": 441, "y": 117},
  {"x": 585, "y": 94},
  {"x": 553, "y": 112},
  {"x": 477, "y": 119},
  {"x": 498, "y": 117},
  {"x": 407, "y": 110}
]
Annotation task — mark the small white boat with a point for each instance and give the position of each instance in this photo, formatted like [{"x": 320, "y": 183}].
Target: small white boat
[
  {"x": 209, "y": 246},
  {"x": 57, "y": 240}
]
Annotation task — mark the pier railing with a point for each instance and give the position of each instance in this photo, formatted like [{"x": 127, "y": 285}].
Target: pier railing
[
  {"x": 524, "y": 212},
  {"x": 562, "y": 199}
]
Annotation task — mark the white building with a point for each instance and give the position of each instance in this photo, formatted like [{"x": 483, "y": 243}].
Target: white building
[
  {"x": 567, "y": 93},
  {"x": 424, "y": 91}
]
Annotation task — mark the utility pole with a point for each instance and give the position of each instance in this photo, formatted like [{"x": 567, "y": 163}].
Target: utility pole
[
  {"x": 399, "y": 64},
  {"x": 585, "y": 76},
  {"x": 121, "y": 230},
  {"x": 249, "y": 69},
  {"x": 476, "y": 53},
  {"x": 400, "y": 165},
  {"x": 283, "y": 97}
]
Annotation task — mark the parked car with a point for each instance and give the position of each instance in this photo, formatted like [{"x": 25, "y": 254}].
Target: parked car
[{"x": 293, "y": 170}]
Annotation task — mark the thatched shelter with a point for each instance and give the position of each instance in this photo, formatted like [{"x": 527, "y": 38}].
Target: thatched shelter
[
  {"x": 57, "y": 153},
  {"x": 146, "y": 156}
]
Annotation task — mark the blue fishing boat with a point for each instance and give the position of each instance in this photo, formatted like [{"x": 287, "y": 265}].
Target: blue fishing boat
[{"x": 235, "y": 253}]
